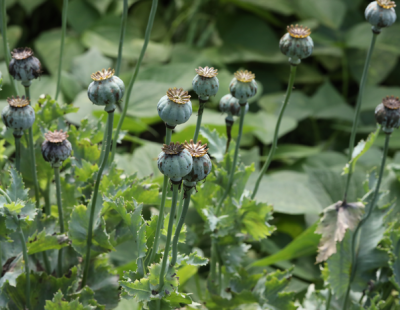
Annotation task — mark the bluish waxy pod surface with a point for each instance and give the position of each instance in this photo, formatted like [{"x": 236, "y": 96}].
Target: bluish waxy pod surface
[
  {"x": 243, "y": 86},
  {"x": 380, "y": 14},
  {"x": 106, "y": 88},
  {"x": 175, "y": 161},
  {"x": 296, "y": 44},
  {"x": 230, "y": 105},
  {"x": 206, "y": 83},
  {"x": 18, "y": 114},
  {"x": 175, "y": 108},
  {"x": 56, "y": 148},
  {"x": 202, "y": 167},
  {"x": 24, "y": 66},
  {"x": 387, "y": 114}
]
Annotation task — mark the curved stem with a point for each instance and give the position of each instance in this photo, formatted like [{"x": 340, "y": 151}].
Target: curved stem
[
  {"x": 169, "y": 234},
  {"x": 135, "y": 73},
  {"x": 357, "y": 113},
  {"x": 5, "y": 42},
  {"x": 180, "y": 205},
  {"x": 365, "y": 218},
  {"x": 160, "y": 222},
  {"x": 122, "y": 36},
  {"x": 179, "y": 226},
  {"x": 27, "y": 271},
  {"x": 63, "y": 31},
  {"x": 60, "y": 217},
  {"x": 328, "y": 303},
  {"x": 110, "y": 121},
  {"x": 276, "y": 133},
  {"x": 202, "y": 103},
  {"x": 17, "y": 153}
]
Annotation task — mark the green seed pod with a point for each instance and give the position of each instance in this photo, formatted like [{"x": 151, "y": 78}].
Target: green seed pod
[
  {"x": 296, "y": 44},
  {"x": 175, "y": 107},
  {"x": 56, "y": 148},
  {"x": 106, "y": 89},
  {"x": 387, "y": 114},
  {"x": 230, "y": 105},
  {"x": 243, "y": 86},
  {"x": 202, "y": 164},
  {"x": 380, "y": 14},
  {"x": 18, "y": 115},
  {"x": 24, "y": 66},
  {"x": 175, "y": 162},
  {"x": 205, "y": 83}
]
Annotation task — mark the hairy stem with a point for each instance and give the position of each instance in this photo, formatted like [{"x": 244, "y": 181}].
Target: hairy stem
[
  {"x": 27, "y": 271},
  {"x": 60, "y": 218},
  {"x": 202, "y": 103},
  {"x": 122, "y": 36},
  {"x": 357, "y": 113},
  {"x": 17, "y": 153},
  {"x": 276, "y": 133},
  {"x": 365, "y": 218},
  {"x": 63, "y": 32},
  {"x": 110, "y": 121},
  {"x": 135, "y": 73}
]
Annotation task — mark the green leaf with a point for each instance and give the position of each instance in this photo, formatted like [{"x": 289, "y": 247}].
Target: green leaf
[
  {"x": 140, "y": 289},
  {"x": 48, "y": 110},
  {"x": 328, "y": 13},
  {"x": 233, "y": 255},
  {"x": 42, "y": 242},
  {"x": 16, "y": 190},
  {"x": 59, "y": 304},
  {"x": 216, "y": 143},
  {"x": 13, "y": 35},
  {"x": 182, "y": 234},
  {"x": 86, "y": 170}
]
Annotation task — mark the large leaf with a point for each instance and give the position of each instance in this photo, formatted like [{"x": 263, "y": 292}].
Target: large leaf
[{"x": 42, "y": 242}]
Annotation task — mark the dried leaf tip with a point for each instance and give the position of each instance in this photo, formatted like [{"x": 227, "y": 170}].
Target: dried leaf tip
[
  {"x": 173, "y": 148},
  {"x": 103, "y": 74},
  {"x": 18, "y": 102},
  {"x": 178, "y": 95},
  {"x": 207, "y": 72},
  {"x": 392, "y": 102},
  {"x": 298, "y": 32},
  {"x": 386, "y": 4},
  {"x": 196, "y": 150},
  {"x": 56, "y": 136},
  {"x": 244, "y": 76},
  {"x": 22, "y": 53}
]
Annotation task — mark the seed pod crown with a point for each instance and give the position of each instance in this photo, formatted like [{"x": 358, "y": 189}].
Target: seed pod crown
[
  {"x": 21, "y": 53},
  {"x": 298, "y": 31},
  {"x": 173, "y": 148},
  {"x": 18, "y": 102},
  {"x": 386, "y": 4},
  {"x": 207, "y": 72},
  {"x": 178, "y": 95},
  {"x": 244, "y": 76},
  {"x": 391, "y": 102},
  {"x": 56, "y": 136},
  {"x": 103, "y": 74},
  {"x": 196, "y": 149}
]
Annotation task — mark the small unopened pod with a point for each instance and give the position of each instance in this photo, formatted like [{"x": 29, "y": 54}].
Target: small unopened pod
[
  {"x": 18, "y": 115},
  {"x": 175, "y": 161},
  {"x": 24, "y": 66},
  {"x": 380, "y": 14},
  {"x": 296, "y": 44},
  {"x": 230, "y": 105},
  {"x": 243, "y": 86},
  {"x": 56, "y": 148},
  {"x": 205, "y": 83},
  {"x": 106, "y": 89},
  {"x": 202, "y": 164},
  {"x": 387, "y": 114},
  {"x": 175, "y": 107}
]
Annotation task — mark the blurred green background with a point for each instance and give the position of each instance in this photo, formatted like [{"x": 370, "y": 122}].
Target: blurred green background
[{"x": 305, "y": 176}]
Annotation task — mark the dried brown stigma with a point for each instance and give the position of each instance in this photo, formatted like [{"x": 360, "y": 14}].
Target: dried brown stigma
[
  {"x": 244, "y": 76},
  {"x": 56, "y": 136},
  {"x": 386, "y": 4},
  {"x": 173, "y": 148},
  {"x": 298, "y": 32},
  {"x": 392, "y": 102},
  {"x": 22, "y": 53},
  {"x": 196, "y": 150},
  {"x": 18, "y": 102},
  {"x": 207, "y": 72},
  {"x": 103, "y": 74},
  {"x": 178, "y": 95}
]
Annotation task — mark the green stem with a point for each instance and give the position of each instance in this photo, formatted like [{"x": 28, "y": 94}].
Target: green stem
[
  {"x": 180, "y": 225},
  {"x": 33, "y": 158},
  {"x": 198, "y": 286},
  {"x": 357, "y": 113},
  {"x": 63, "y": 32},
  {"x": 60, "y": 217},
  {"x": 110, "y": 121},
  {"x": 46, "y": 194},
  {"x": 135, "y": 73},
  {"x": 328, "y": 303},
  {"x": 276, "y": 133},
  {"x": 103, "y": 143},
  {"x": 180, "y": 205},
  {"x": 213, "y": 268},
  {"x": 5, "y": 42},
  {"x": 199, "y": 118},
  {"x": 18, "y": 153},
  {"x": 169, "y": 234},
  {"x": 160, "y": 222},
  {"x": 27, "y": 271},
  {"x": 365, "y": 218},
  {"x": 122, "y": 36},
  {"x": 5, "y": 195}
]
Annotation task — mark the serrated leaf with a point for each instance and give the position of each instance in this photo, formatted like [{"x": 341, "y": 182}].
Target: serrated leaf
[
  {"x": 140, "y": 289},
  {"x": 16, "y": 190},
  {"x": 215, "y": 143},
  {"x": 182, "y": 234},
  {"x": 170, "y": 280},
  {"x": 85, "y": 171},
  {"x": 232, "y": 255},
  {"x": 42, "y": 242},
  {"x": 48, "y": 110},
  {"x": 195, "y": 260},
  {"x": 59, "y": 304},
  {"x": 334, "y": 223}
]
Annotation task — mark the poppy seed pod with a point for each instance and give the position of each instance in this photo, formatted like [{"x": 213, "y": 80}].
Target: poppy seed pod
[
  {"x": 387, "y": 114},
  {"x": 380, "y": 14},
  {"x": 56, "y": 148},
  {"x": 24, "y": 66},
  {"x": 175, "y": 161},
  {"x": 243, "y": 86},
  {"x": 230, "y": 105},
  {"x": 205, "y": 83},
  {"x": 296, "y": 44},
  {"x": 175, "y": 107},
  {"x": 18, "y": 115},
  {"x": 202, "y": 164},
  {"x": 106, "y": 89}
]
